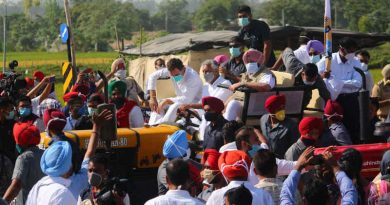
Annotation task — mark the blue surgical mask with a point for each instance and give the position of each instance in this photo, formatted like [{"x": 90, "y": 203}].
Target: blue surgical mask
[
  {"x": 254, "y": 150},
  {"x": 308, "y": 83},
  {"x": 177, "y": 78},
  {"x": 24, "y": 111},
  {"x": 235, "y": 52},
  {"x": 243, "y": 21},
  {"x": 11, "y": 115},
  {"x": 315, "y": 59},
  {"x": 91, "y": 111}
]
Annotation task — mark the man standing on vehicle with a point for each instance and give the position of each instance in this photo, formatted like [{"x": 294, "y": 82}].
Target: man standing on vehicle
[
  {"x": 188, "y": 89},
  {"x": 256, "y": 34}
]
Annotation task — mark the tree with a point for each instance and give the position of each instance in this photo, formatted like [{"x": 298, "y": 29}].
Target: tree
[
  {"x": 172, "y": 16},
  {"x": 212, "y": 15}
]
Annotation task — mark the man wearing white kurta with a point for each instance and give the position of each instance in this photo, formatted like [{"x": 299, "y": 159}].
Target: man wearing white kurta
[{"x": 188, "y": 89}]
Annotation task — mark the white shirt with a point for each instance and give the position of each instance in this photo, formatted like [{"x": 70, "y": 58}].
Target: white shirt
[
  {"x": 215, "y": 91},
  {"x": 284, "y": 169},
  {"x": 51, "y": 191},
  {"x": 228, "y": 147},
  {"x": 344, "y": 72},
  {"x": 35, "y": 105},
  {"x": 268, "y": 79},
  {"x": 302, "y": 55},
  {"x": 136, "y": 118},
  {"x": 259, "y": 196},
  {"x": 70, "y": 123},
  {"x": 174, "y": 197},
  {"x": 188, "y": 90},
  {"x": 126, "y": 201}
]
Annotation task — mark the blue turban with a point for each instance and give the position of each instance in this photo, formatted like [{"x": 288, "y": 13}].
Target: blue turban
[
  {"x": 57, "y": 159},
  {"x": 176, "y": 145}
]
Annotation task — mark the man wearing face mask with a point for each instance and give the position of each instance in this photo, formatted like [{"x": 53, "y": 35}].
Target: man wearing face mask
[
  {"x": 213, "y": 108},
  {"x": 342, "y": 69},
  {"x": 281, "y": 132},
  {"x": 98, "y": 174},
  {"x": 364, "y": 57},
  {"x": 381, "y": 91},
  {"x": 257, "y": 77},
  {"x": 24, "y": 108},
  {"x": 256, "y": 34},
  {"x": 129, "y": 114},
  {"x": 134, "y": 91},
  {"x": 235, "y": 67},
  {"x": 77, "y": 108},
  {"x": 310, "y": 129},
  {"x": 85, "y": 122},
  {"x": 7, "y": 142},
  {"x": 188, "y": 89}
]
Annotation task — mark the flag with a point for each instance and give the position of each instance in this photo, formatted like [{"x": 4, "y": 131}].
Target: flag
[{"x": 328, "y": 35}]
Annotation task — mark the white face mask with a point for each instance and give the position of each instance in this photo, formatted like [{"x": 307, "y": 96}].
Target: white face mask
[
  {"x": 252, "y": 68},
  {"x": 308, "y": 83},
  {"x": 315, "y": 58},
  {"x": 121, "y": 74},
  {"x": 364, "y": 66},
  {"x": 208, "y": 76}
]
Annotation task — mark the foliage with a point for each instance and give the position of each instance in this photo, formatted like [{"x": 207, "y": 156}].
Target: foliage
[{"x": 172, "y": 16}]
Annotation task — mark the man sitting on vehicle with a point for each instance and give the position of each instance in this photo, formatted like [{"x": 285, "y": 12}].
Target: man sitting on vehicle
[
  {"x": 257, "y": 77},
  {"x": 310, "y": 129},
  {"x": 235, "y": 67},
  {"x": 188, "y": 89},
  {"x": 129, "y": 114},
  {"x": 305, "y": 74},
  {"x": 281, "y": 132},
  {"x": 334, "y": 115}
]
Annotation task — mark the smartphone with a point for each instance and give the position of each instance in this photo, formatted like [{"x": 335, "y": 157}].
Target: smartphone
[{"x": 108, "y": 130}]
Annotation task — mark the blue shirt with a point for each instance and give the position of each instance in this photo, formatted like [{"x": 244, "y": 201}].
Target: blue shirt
[
  {"x": 79, "y": 180},
  {"x": 349, "y": 194}
]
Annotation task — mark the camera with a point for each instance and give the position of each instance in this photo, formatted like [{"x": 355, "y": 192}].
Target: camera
[
  {"x": 116, "y": 184},
  {"x": 13, "y": 64}
]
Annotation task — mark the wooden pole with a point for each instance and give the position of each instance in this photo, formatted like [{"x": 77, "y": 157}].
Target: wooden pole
[{"x": 71, "y": 40}]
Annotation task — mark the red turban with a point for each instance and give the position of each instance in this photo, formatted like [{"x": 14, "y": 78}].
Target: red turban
[
  {"x": 334, "y": 110},
  {"x": 88, "y": 70},
  {"x": 253, "y": 56},
  {"x": 54, "y": 119},
  {"x": 1, "y": 76},
  {"x": 211, "y": 157},
  {"x": 214, "y": 103},
  {"x": 26, "y": 134},
  {"x": 70, "y": 95},
  {"x": 29, "y": 81},
  {"x": 274, "y": 102},
  {"x": 234, "y": 164},
  {"x": 309, "y": 123},
  {"x": 39, "y": 75},
  {"x": 81, "y": 88}
]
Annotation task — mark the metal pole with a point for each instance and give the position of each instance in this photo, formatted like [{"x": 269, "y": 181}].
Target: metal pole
[
  {"x": 5, "y": 36},
  {"x": 71, "y": 40}
]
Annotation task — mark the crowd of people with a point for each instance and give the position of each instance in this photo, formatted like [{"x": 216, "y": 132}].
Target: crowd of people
[{"x": 270, "y": 163}]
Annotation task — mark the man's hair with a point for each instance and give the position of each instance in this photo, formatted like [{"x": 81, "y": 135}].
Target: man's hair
[
  {"x": 351, "y": 163},
  {"x": 303, "y": 40},
  {"x": 159, "y": 59},
  {"x": 74, "y": 100},
  {"x": 96, "y": 98},
  {"x": 23, "y": 99},
  {"x": 229, "y": 130},
  {"x": 236, "y": 40},
  {"x": 4, "y": 102},
  {"x": 310, "y": 70},
  {"x": 348, "y": 43},
  {"x": 265, "y": 163},
  {"x": 244, "y": 8},
  {"x": 210, "y": 62},
  {"x": 178, "y": 172},
  {"x": 239, "y": 195},
  {"x": 364, "y": 53},
  {"x": 100, "y": 158},
  {"x": 316, "y": 192},
  {"x": 175, "y": 63},
  {"x": 243, "y": 134}
]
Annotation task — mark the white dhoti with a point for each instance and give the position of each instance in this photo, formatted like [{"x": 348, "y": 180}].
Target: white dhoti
[
  {"x": 169, "y": 115},
  {"x": 233, "y": 110}
]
